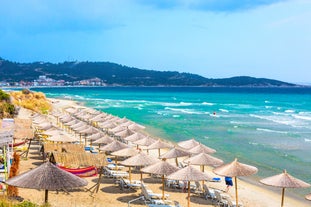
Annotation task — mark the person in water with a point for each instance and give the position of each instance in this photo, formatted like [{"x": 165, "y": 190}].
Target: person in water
[{"x": 229, "y": 183}]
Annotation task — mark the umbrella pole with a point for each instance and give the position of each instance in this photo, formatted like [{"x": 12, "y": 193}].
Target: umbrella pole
[
  {"x": 282, "y": 201},
  {"x": 46, "y": 196},
  {"x": 130, "y": 174},
  {"x": 141, "y": 175},
  {"x": 176, "y": 161},
  {"x": 99, "y": 178},
  {"x": 236, "y": 191},
  {"x": 159, "y": 152},
  {"x": 203, "y": 172},
  {"x": 162, "y": 187},
  {"x": 188, "y": 193}
]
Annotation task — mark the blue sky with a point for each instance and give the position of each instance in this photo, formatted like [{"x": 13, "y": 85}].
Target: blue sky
[{"x": 212, "y": 38}]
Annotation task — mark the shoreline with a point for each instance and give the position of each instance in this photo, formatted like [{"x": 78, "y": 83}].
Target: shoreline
[{"x": 251, "y": 182}]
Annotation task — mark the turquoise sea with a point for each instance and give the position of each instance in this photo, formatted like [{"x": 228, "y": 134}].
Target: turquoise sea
[{"x": 269, "y": 128}]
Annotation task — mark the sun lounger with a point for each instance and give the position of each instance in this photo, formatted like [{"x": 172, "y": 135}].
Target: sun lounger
[
  {"x": 179, "y": 184},
  {"x": 125, "y": 184},
  {"x": 175, "y": 204},
  {"x": 153, "y": 195},
  {"x": 198, "y": 188},
  {"x": 112, "y": 166},
  {"x": 232, "y": 203},
  {"x": 156, "y": 201},
  {"x": 222, "y": 199},
  {"x": 115, "y": 174},
  {"x": 211, "y": 193}
]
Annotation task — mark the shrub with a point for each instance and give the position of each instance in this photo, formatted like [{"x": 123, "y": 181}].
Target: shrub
[{"x": 4, "y": 96}]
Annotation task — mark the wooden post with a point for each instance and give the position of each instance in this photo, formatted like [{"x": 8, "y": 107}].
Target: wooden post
[
  {"x": 188, "y": 193},
  {"x": 162, "y": 187},
  {"x": 46, "y": 196},
  {"x": 282, "y": 201},
  {"x": 236, "y": 192}
]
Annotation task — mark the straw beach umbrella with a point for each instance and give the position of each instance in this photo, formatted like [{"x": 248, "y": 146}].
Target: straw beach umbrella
[
  {"x": 126, "y": 152},
  {"x": 139, "y": 160},
  {"x": 201, "y": 148},
  {"x": 124, "y": 133},
  {"x": 284, "y": 180},
  {"x": 162, "y": 168},
  {"x": 175, "y": 153},
  {"x": 308, "y": 197},
  {"x": 235, "y": 169},
  {"x": 103, "y": 140},
  {"x": 188, "y": 144},
  {"x": 61, "y": 137},
  {"x": 135, "y": 137},
  {"x": 48, "y": 177},
  {"x": 113, "y": 146},
  {"x": 203, "y": 159},
  {"x": 145, "y": 142},
  {"x": 159, "y": 145},
  {"x": 188, "y": 173}
]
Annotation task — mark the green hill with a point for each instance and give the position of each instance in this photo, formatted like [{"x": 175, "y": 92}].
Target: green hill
[{"x": 116, "y": 74}]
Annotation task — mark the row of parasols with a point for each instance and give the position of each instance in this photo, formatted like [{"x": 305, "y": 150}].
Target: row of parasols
[
  {"x": 49, "y": 177},
  {"x": 235, "y": 169}
]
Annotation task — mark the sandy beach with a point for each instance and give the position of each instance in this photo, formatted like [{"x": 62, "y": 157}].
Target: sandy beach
[{"x": 250, "y": 194}]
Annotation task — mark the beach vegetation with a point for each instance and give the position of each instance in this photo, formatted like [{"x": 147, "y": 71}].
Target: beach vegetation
[
  {"x": 35, "y": 101},
  {"x": 7, "y": 109},
  {"x": 9, "y": 203}
]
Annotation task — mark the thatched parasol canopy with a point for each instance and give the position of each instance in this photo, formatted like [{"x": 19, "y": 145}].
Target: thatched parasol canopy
[
  {"x": 89, "y": 130},
  {"x": 126, "y": 152},
  {"x": 124, "y": 133},
  {"x": 145, "y": 142},
  {"x": 189, "y": 173},
  {"x": 136, "y": 127},
  {"x": 134, "y": 137},
  {"x": 47, "y": 177},
  {"x": 159, "y": 144},
  {"x": 235, "y": 169},
  {"x": 162, "y": 168},
  {"x": 204, "y": 159},
  {"x": 201, "y": 148},
  {"x": 61, "y": 137},
  {"x": 114, "y": 146},
  {"x": 96, "y": 136},
  {"x": 139, "y": 160},
  {"x": 188, "y": 144},
  {"x": 104, "y": 140},
  {"x": 284, "y": 180},
  {"x": 175, "y": 153}
]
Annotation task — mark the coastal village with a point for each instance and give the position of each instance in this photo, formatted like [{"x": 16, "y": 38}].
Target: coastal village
[
  {"x": 59, "y": 153},
  {"x": 45, "y": 81}
]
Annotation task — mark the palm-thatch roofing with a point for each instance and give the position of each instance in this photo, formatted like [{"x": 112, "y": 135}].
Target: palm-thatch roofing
[
  {"x": 47, "y": 176},
  {"x": 204, "y": 159}
]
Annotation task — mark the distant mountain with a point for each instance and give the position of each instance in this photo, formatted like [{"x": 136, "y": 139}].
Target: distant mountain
[{"x": 116, "y": 74}]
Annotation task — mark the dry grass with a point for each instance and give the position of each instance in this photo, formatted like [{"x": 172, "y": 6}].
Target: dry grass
[{"x": 35, "y": 101}]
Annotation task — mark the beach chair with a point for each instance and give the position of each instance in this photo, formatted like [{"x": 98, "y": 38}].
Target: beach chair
[
  {"x": 221, "y": 201},
  {"x": 115, "y": 174},
  {"x": 232, "y": 203},
  {"x": 155, "y": 195},
  {"x": 125, "y": 184},
  {"x": 209, "y": 193},
  {"x": 198, "y": 188},
  {"x": 154, "y": 198},
  {"x": 175, "y": 204}
]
